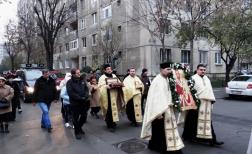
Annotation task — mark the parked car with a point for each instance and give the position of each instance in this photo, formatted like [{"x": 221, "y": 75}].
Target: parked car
[
  {"x": 240, "y": 85},
  {"x": 243, "y": 72},
  {"x": 29, "y": 76}
]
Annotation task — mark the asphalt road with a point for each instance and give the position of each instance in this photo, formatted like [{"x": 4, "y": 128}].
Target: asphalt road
[{"x": 232, "y": 120}]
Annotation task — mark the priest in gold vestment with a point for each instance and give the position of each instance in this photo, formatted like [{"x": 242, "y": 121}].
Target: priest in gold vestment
[
  {"x": 111, "y": 97},
  {"x": 132, "y": 90},
  {"x": 198, "y": 123},
  {"x": 159, "y": 123}
]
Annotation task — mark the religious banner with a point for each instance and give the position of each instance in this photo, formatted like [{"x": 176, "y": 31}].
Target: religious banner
[{"x": 182, "y": 89}]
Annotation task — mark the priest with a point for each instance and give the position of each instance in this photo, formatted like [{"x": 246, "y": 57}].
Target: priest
[
  {"x": 132, "y": 90},
  {"x": 159, "y": 123},
  {"x": 198, "y": 123},
  {"x": 111, "y": 97}
]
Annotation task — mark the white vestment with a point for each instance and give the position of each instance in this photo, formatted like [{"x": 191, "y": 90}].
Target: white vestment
[
  {"x": 206, "y": 96},
  {"x": 159, "y": 103}
]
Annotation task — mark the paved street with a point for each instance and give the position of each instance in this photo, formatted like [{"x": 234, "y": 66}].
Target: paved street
[{"x": 232, "y": 122}]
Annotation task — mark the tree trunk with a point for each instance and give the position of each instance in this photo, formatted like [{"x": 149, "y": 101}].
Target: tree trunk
[
  {"x": 28, "y": 54},
  {"x": 229, "y": 67},
  {"x": 50, "y": 57},
  {"x": 163, "y": 45},
  {"x": 12, "y": 63},
  {"x": 191, "y": 55},
  {"x": 49, "y": 47}
]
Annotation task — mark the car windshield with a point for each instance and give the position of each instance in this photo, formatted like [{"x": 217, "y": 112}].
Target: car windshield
[
  {"x": 243, "y": 78},
  {"x": 33, "y": 74}
]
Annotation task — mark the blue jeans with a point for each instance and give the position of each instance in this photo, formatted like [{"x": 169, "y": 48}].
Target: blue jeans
[{"x": 45, "y": 121}]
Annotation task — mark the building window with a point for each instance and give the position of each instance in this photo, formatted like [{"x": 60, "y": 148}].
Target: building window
[
  {"x": 94, "y": 60},
  {"x": 108, "y": 34},
  {"x": 60, "y": 65},
  {"x": 84, "y": 42},
  {"x": 67, "y": 46},
  {"x": 217, "y": 59},
  {"x": 185, "y": 56},
  {"x": 67, "y": 64},
  {"x": 82, "y": 2},
  {"x": 73, "y": 44},
  {"x": 165, "y": 26},
  {"x": 67, "y": 31},
  {"x": 107, "y": 12},
  {"x": 94, "y": 18},
  {"x": 94, "y": 39},
  {"x": 60, "y": 49},
  {"x": 118, "y": 2},
  {"x": 93, "y": 3},
  {"x": 84, "y": 61},
  {"x": 165, "y": 55},
  {"x": 83, "y": 23},
  {"x": 203, "y": 57},
  {"x": 119, "y": 28}
]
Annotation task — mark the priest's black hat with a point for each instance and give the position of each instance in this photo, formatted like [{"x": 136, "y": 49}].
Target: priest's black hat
[
  {"x": 166, "y": 65},
  {"x": 106, "y": 66}
]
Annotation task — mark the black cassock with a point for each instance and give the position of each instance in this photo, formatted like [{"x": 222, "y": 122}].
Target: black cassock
[
  {"x": 190, "y": 128},
  {"x": 158, "y": 139}
]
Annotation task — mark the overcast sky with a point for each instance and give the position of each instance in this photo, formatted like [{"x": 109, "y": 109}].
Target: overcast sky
[{"x": 7, "y": 11}]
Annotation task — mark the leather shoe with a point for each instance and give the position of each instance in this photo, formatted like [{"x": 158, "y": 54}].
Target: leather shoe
[
  {"x": 82, "y": 132},
  {"x": 212, "y": 143},
  {"x": 78, "y": 136},
  {"x": 49, "y": 130}
]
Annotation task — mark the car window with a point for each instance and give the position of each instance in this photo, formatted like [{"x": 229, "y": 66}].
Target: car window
[
  {"x": 243, "y": 78},
  {"x": 250, "y": 79},
  {"x": 33, "y": 74}
]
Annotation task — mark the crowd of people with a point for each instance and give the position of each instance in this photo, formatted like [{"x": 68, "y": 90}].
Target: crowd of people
[{"x": 149, "y": 103}]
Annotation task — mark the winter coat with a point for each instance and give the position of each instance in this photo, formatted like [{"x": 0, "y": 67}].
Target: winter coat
[
  {"x": 64, "y": 96},
  {"x": 146, "y": 82},
  {"x": 78, "y": 91},
  {"x": 45, "y": 90},
  {"x": 6, "y": 92}
]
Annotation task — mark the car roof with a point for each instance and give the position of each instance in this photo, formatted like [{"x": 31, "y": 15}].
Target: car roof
[{"x": 249, "y": 75}]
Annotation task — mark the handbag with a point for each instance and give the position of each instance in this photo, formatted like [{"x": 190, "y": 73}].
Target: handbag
[{"x": 4, "y": 104}]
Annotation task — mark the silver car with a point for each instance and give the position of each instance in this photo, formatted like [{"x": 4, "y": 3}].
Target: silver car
[{"x": 240, "y": 85}]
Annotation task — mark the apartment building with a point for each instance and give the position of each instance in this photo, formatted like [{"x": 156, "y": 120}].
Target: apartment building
[{"x": 77, "y": 43}]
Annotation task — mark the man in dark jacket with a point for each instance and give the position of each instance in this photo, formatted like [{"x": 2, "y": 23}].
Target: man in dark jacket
[
  {"x": 45, "y": 93},
  {"x": 146, "y": 81},
  {"x": 78, "y": 96}
]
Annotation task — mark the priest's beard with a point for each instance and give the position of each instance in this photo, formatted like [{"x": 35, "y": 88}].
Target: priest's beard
[{"x": 108, "y": 75}]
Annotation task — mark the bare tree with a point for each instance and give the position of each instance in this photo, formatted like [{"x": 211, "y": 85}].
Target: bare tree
[
  {"x": 192, "y": 16},
  {"x": 51, "y": 16},
  {"x": 109, "y": 42},
  {"x": 27, "y": 34},
  {"x": 154, "y": 16},
  {"x": 12, "y": 44}
]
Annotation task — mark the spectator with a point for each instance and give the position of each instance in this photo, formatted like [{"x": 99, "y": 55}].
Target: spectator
[
  {"x": 44, "y": 93},
  {"x": 6, "y": 94},
  {"x": 146, "y": 81},
  {"x": 78, "y": 96}
]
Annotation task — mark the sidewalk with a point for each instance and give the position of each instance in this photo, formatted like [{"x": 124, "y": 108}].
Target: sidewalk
[{"x": 26, "y": 136}]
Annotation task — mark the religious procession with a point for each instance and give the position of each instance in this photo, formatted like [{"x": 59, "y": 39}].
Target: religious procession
[{"x": 172, "y": 99}]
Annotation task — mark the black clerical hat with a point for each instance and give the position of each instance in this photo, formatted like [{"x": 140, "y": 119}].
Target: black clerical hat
[
  {"x": 166, "y": 65},
  {"x": 106, "y": 66}
]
